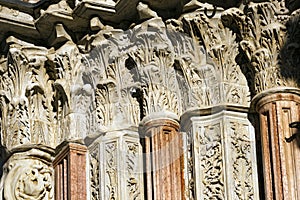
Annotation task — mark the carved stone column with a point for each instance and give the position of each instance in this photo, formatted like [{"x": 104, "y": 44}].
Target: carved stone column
[
  {"x": 116, "y": 166},
  {"x": 27, "y": 123},
  {"x": 281, "y": 160},
  {"x": 70, "y": 172},
  {"x": 221, "y": 159},
  {"x": 164, "y": 161},
  {"x": 273, "y": 71}
]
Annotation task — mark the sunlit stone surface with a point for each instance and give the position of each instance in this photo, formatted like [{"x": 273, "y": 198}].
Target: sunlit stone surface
[{"x": 162, "y": 99}]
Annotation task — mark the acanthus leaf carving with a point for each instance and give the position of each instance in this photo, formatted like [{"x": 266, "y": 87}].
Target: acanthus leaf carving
[
  {"x": 262, "y": 34},
  {"x": 115, "y": 88},
  {"x": 220, "y": 51},
  {"x": 74, "y": 92},
  {"x": 27, "y": 95},
  {"x": 153, "y": 56}
]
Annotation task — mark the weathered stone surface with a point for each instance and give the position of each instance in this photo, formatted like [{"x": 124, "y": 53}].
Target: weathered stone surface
[
  {"x": 220, "y": 154},
  {"x": 106, "y": 73},
  {"x": 28, "y": 175}
]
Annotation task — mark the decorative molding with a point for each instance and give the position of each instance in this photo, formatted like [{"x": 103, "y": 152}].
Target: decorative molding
[{"x": 99, "y": 84}]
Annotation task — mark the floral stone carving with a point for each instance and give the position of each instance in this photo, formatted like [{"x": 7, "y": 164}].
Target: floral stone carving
[{"x": 28, "y": 178}]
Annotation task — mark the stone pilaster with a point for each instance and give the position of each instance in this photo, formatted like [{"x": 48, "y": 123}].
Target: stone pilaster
[
  {"x": 70, "y": 172},
  {"x": 220, "y": 155},
  {"x": 163, "y": 158},
  {"x": 281, "y": 160},
  {"x": 116, "y": 166}
]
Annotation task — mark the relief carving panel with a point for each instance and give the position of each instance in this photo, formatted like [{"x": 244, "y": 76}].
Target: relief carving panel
[
  {"x": 116, "y": 167},
  {"x": 221, "y": 157},
  {"x": 209, "y": 149},
  {"x": 29, "y": 178},
  {"x": 242, "y": 161}
]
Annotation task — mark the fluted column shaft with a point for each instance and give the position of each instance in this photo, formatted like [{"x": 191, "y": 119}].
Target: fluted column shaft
[
  {"x": 281, "y": 160},
  {"x": 164, "y": 165},
  {"x": 70, "y": 172}
]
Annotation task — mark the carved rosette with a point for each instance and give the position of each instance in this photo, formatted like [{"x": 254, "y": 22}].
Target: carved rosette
[{"x": 28, "y": 177}]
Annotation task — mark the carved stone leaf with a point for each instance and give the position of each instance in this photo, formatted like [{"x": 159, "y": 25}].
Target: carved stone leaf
[{"x": 263, "y": 36}]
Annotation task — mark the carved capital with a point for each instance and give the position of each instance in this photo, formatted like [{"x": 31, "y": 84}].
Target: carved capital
[
  {"x": 263, "y": 41},
  {"x": 220, "y": 77},
  {"x": 26, "y": 97}
]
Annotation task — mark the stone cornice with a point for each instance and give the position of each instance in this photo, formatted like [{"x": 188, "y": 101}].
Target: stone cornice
[
  {"x": 35, "y": 20},
  {"x": 32, "y": 7}
]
